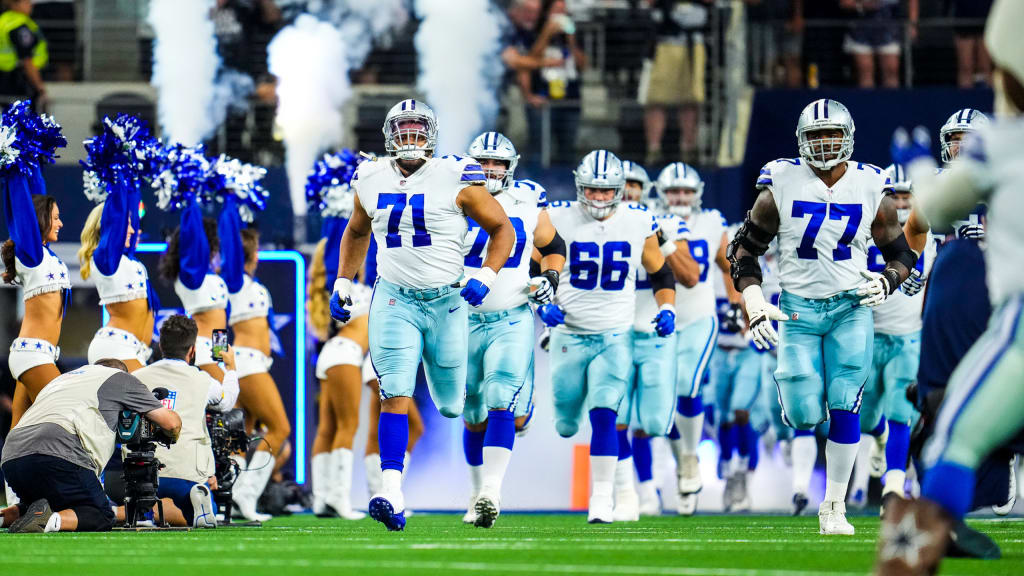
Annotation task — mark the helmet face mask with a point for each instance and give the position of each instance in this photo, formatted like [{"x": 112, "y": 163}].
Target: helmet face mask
[
  {"x": 600, "y": 174},
  {"x": 410, "y": 131},
  {"x": 956, "y": 129},
  {"x": 825, "y": 151},
  {"x": 681, "y": 201},
  {"x": 495, "y": 149},
  {"x": 681, "y": 189},
  {"x": 902, "y": 191},
  {"x": 634, "y": 191}
]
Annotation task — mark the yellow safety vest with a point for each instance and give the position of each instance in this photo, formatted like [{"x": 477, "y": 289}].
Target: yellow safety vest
[{"x": 10, "y": 21}]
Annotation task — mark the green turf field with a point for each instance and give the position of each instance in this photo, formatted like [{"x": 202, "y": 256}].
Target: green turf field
[{"x": 518, "y": 544}]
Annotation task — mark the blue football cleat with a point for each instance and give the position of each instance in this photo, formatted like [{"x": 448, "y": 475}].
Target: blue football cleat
[{"x": 382, "y": 511}]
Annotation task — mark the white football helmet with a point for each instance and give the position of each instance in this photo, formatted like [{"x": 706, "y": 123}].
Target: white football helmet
[
  {"x": 900, "y": 183},
  {"x": 600, "y": 169},
  {"x": 679, "y": 175},
  {"x": 495, "y": 146},
  {"x": 636, "y": 173},
  {"x": 825, "y": 114},
  {"x": 406, "y": 123},
  {"x": 962, "y": 121}
]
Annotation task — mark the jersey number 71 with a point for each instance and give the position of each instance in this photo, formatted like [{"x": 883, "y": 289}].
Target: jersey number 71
[{"x": 399, "y": 201}]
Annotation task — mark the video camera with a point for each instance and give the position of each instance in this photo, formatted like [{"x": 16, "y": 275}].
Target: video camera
[
  {"x": 227, "y": 437},
  {"x": 141, "y": 470}
]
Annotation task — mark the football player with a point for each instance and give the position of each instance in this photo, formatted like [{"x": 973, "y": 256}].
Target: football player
[
  {"x": 591, "y": 345},
  {"x": 650, "y": 397},
  {"x": 500, "y": 367},
  {"x": 823, "y": 208},
  {"x": 683, "y": 189},
  {"x": 978, "y": 414},
  {"x": 417, "y": 208}
]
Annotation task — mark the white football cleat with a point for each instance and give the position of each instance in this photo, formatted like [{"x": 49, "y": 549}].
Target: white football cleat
[
  {"x": 650, "y": 502},
  {"x": 877, "y": 460},
  {"x": 470, "y": 516},
  {"x": 601, "y": 510},
  {"x": 488, "y": 508},
  {"x": 627, "y": 506},
  {"x": 687, "y": 504},
  {"x": 741, "y": 496},
  {"x": 832, "y": 519},
  {"x": 689, "y": 475},
  {"x": 1004, "y": 509}
]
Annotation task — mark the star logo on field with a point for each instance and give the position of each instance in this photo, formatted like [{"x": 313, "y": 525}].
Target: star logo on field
[{"x": 904, "y": 541}]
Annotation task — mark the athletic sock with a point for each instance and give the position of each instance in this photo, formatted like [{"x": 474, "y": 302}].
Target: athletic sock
[
  {"x": 861, "y": 467},
  {"x": 642, "y": 459},
  {"x": 624, "y": 475},
  {"x": 473, "y": 449},
  {"x": 840, "y": 453},
  {"x": 393, "y": 435},
  {"x": 750, "y": 437},
  {"x": 604, "y": 450},
  {"x": 805, "y": 453},
  {"x": 950, "y": 485},
  {"x": 497, "y": 448},
  {"x": 896, "y": 452},
  {"x": 727, "y": 444},
  {"x": 689, "y": 419},
  {"x": 879, "y": 428},
  {"x": 625, "y": 451},
  {"x": 746, "y": 443}
]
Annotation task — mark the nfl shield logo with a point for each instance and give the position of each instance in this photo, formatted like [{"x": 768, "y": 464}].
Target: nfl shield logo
[
  {"x": 564, "y": 349},
  {"x": 169, "y": 401},
  {"x": 391, "y": 302}
]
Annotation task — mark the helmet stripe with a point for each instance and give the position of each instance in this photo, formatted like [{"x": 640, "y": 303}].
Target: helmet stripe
[
  {"x": 403, "y": 105},
  {"x": 412, "y": 105},
  {"x": 824, "y": 107},
  {"x": 816, "y": 104}
]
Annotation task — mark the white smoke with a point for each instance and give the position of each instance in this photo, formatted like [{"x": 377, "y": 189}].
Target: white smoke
[
  {"x": 185, "y": 63},
  {"x": 458, "y": 45},
  {"x": 311, "y": 60}
]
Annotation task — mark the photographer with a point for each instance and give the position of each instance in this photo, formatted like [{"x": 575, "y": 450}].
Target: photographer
[
  {"x": 185, "y": 482},
  {"x": 54, "y": 456}
]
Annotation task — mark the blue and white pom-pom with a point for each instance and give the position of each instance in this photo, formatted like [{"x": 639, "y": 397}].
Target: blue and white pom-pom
[
  {"x": 328, "y": 186},
  {"x": 243, "y": 182},
  {"x": 187, "y": 177},
  {"x": 123, "y": 150},
  {"x": 28, "y": 140}
]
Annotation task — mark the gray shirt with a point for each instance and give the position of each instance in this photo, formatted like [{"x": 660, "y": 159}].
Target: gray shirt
[{"x": 113, "y": 392}]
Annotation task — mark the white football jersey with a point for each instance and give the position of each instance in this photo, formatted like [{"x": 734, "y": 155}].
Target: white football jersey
[
  {"x": 523, "y": 203},
  {"x": 417, "y": 224},
  {"x": 692, "y": 304},
  {"x": 823, "y": 232},
  {"x": 597, "y": 290},
  {"x": 673, "y": 228},
  {"x": 992, "y": 156},
  {"x": 901, "y": 314}
]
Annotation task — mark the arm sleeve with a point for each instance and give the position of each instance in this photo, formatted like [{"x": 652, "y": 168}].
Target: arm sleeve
[
  {"x": 134, "y": 394},
  {"x": 193, "y": 249},
  {"x": 333, "y": 230},
  {"x": 232, "y": 254},
  {"x": 113, "y": 227},
  {"x": 222, "y": 397},
  {"x": 21, "y": 218}
]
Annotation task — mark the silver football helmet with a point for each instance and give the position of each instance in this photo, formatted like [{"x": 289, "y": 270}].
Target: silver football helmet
[
  {"x": 636, "y": 173},
  {"x": 675, "y": 176},
  {"x": 600, "y": 169},
  {"x": 495, "y": 146},
  {"x": 900, "y": 183},
  {"x": 825, "y": 153},
  {"x": 406, "y": 124},
  {"x": 962, "y": 121}
]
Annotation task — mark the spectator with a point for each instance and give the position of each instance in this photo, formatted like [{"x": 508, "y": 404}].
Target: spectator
[
  {"x": 23, "y": 53},
  {"x": 973, "y": 66},
  {"x": 554, "y": 87},
  {"x": 54, "y": 455},
  {"x": 875, "y": 30},
  {"x": 57, "y": 20},
  {"x": 236, "y": 23},
  {"x": 675, "y": 75},
  {"x": 519, "y": 38},
  {"x": 774, "y": 47}
]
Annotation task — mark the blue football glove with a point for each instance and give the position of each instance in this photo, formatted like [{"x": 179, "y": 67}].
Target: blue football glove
[
  {"x": 905, "y": 149},
  {"x": 341, "y": 300},
  {"x": 478, "y": 286},
  {"x": 665, "y": 321},
  {"x": 551, "y": 314}
]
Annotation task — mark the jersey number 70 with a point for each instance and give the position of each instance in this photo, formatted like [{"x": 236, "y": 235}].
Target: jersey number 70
[{"x": 817, "y": 212}]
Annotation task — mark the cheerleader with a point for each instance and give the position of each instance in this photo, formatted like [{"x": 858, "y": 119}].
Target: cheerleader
[
  {"x": 120, "y": 158},
  {"x": 249, "y": 311}
]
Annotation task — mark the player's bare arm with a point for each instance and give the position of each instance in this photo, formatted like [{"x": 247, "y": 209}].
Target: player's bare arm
[
  {"x": 479, "y": 205},
  {"x": 354, "y": 242},
  {"x": 662, "y": 281},
  {"x": 548, "y": 244},
  {"x": 683, "y": 266},
  {"x": 916, "y": 231},
  {"x": 722, "y": 260},
  {"x": 889, "y": 237},
  {"x": 751, "y": 241}
]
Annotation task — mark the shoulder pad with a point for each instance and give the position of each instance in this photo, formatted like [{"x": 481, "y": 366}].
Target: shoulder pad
[
  {"x": 469, "y": 170},
  {"x": 535, "y": 189},
  {"x": 764, "y": 178}
]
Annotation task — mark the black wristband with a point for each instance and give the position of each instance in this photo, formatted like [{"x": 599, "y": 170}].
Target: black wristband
[
  {"x": 893, "y": 278},
  {"x": 552, "y": 276}
]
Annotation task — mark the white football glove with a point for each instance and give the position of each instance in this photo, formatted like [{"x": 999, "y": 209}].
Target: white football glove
[
  {"x": 875, "y": 290},
  {"x": 914, "y": 283},
  {"x": 541, "y": 289},
  {"x": 761, "y": 315}
]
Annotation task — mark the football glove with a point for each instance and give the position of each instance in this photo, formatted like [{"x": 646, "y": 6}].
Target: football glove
[
  {"x": 665, "y": 321},
  {"x": 545, "y": 339},
  {"x": 875, "y": 290},
  {"x": 341, "y": 301},
  {"x": 551, "y": 314},
  {"x": 732, "y": 320},
  {"x": 761, "y": 315},
  {"x": 542, "y": 288},
  {"x": 478, "y": 286},
  {"x": 914, "y": 283},
  {"x": 971, "y": 232}
]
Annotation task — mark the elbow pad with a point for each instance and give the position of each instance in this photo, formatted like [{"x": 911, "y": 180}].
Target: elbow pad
[
  {"x": 899, "y": 251},
  {"x": 751, "y": 237},
  {"x": 556, "y": 246},
  {"x": 662, "y": 279}
]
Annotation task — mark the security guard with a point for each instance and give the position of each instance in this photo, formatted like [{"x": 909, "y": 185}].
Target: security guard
[{"x": 23, "y": 53}]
